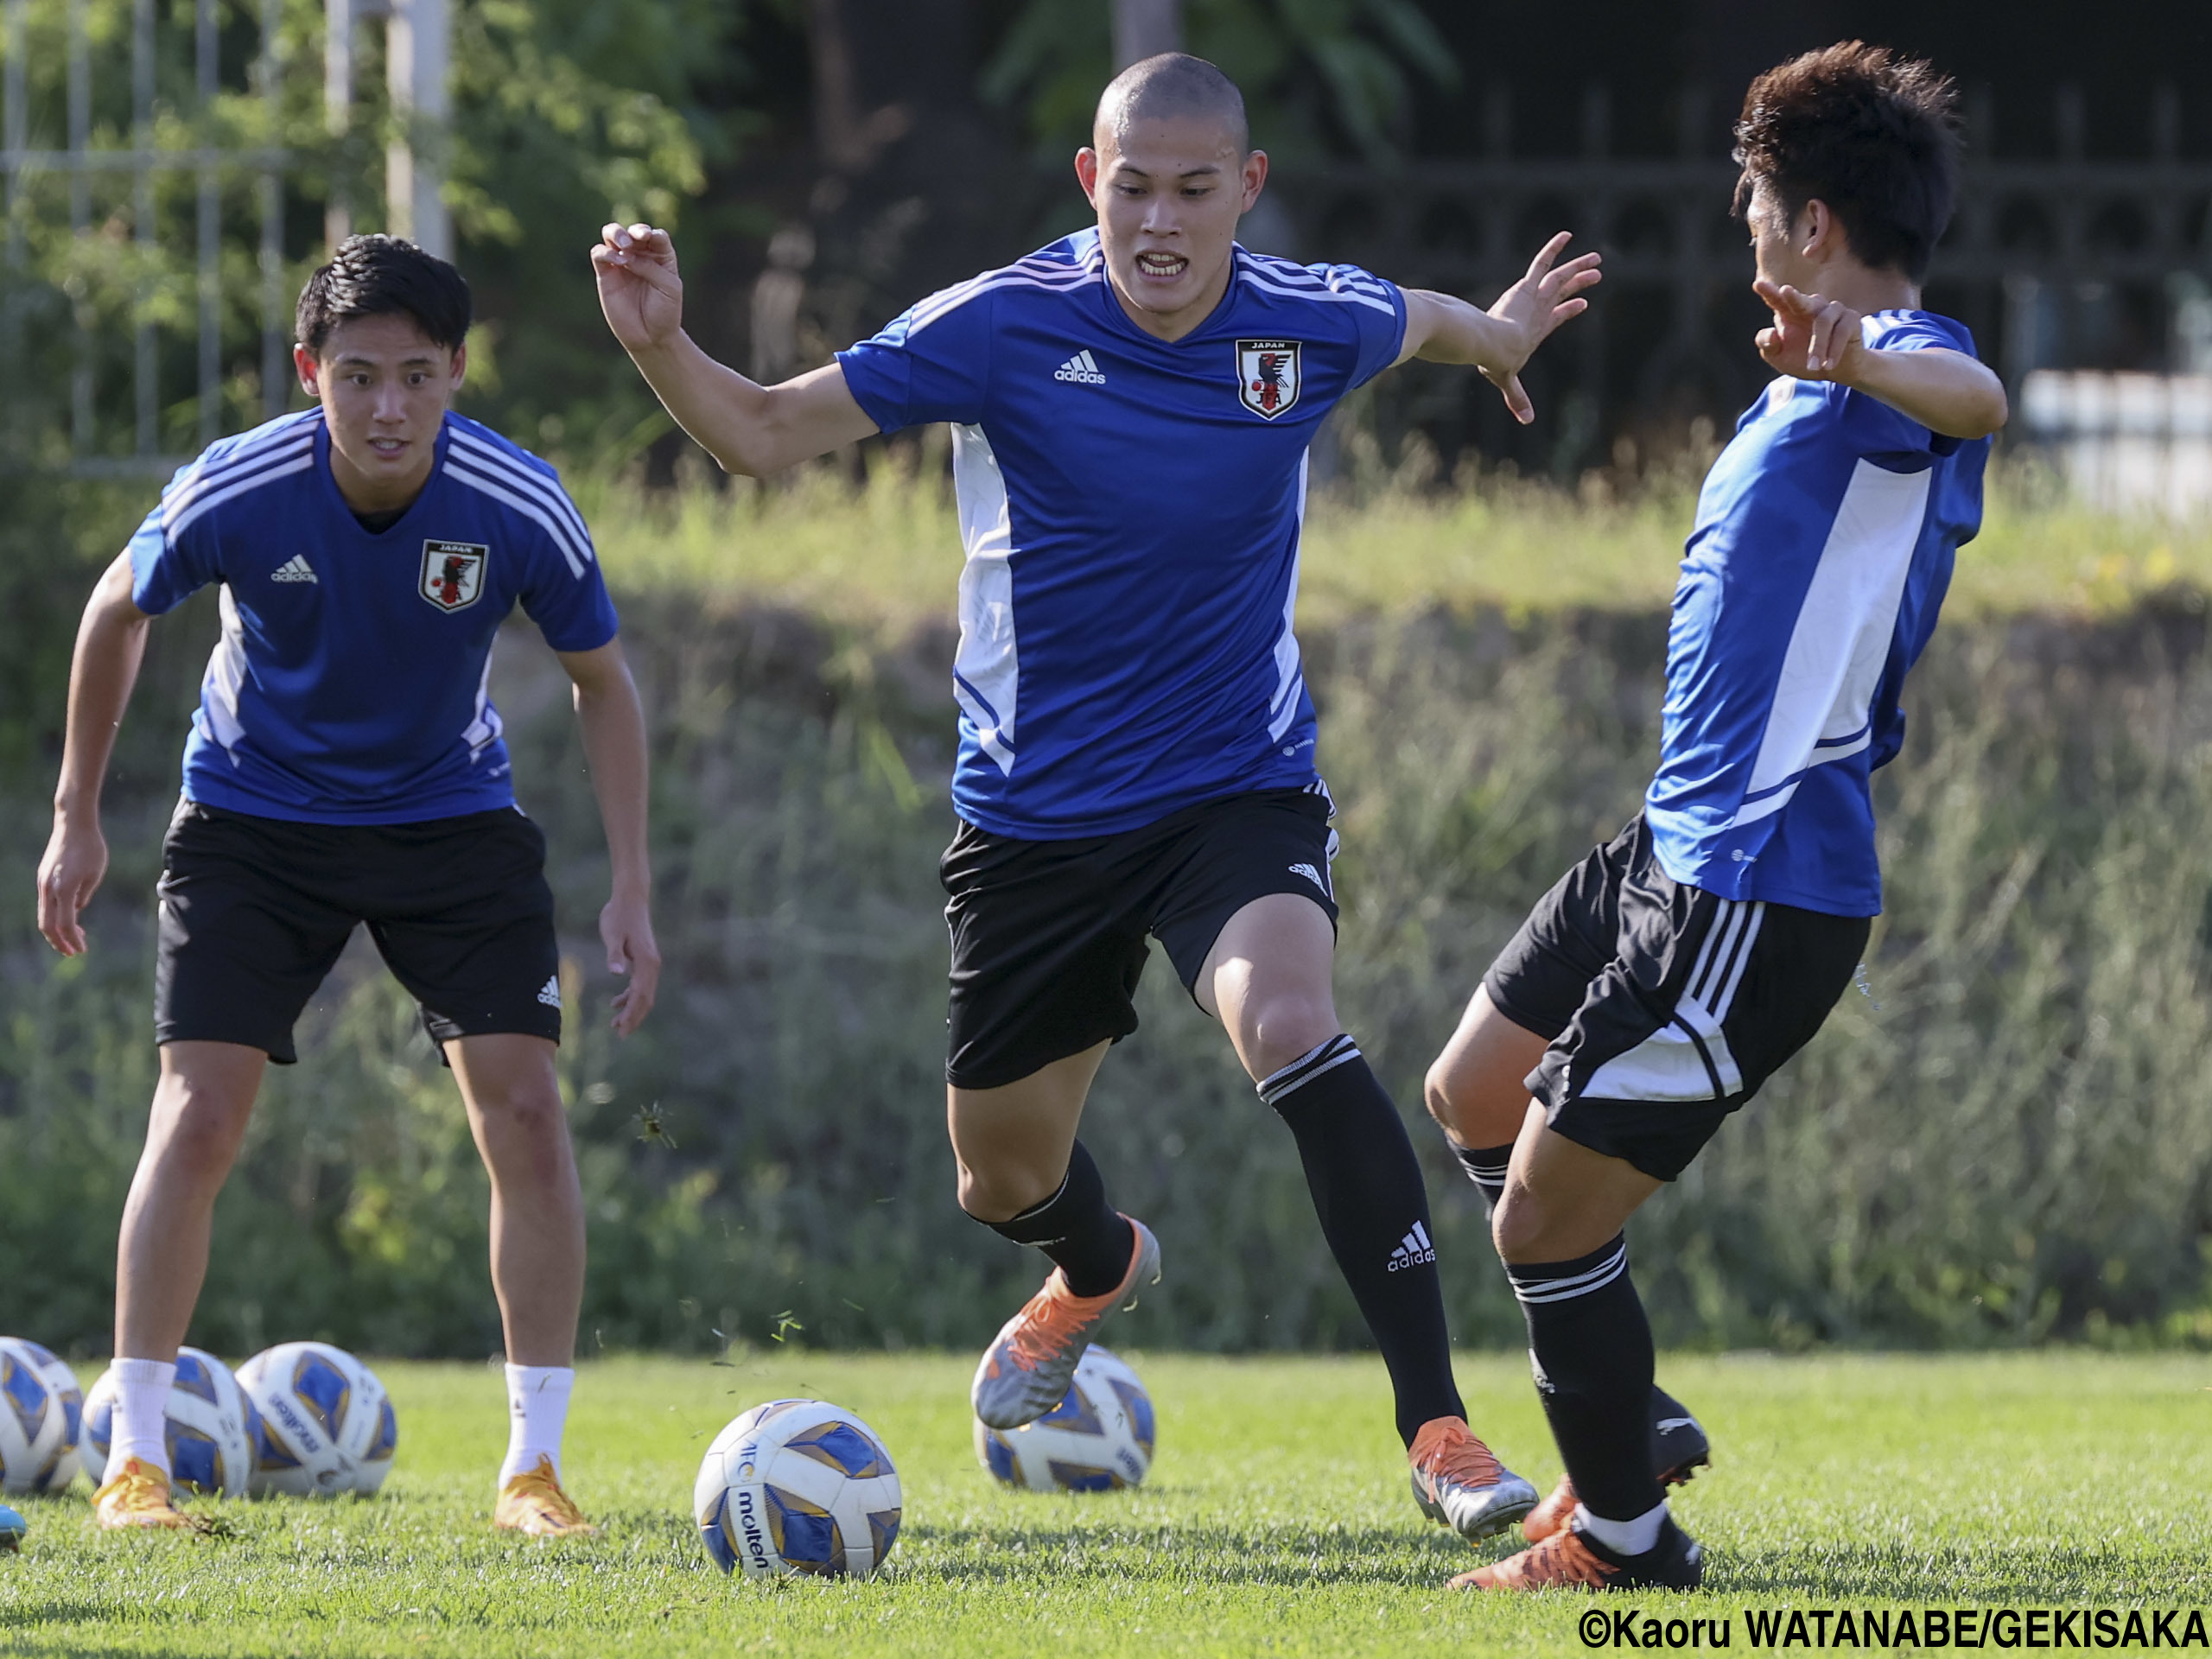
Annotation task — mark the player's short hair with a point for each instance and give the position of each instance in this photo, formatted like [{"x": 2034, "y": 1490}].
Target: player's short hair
[
  {"x": 1171, "y": 84},
  {"x": 1873, "y": 134},
  {"x": 379, "y": 277}
]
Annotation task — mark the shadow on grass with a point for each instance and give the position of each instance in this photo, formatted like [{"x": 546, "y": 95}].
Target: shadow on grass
[
  {"x": 2012, "y": 1571},
  {"x": 1381, "y": 1556}
]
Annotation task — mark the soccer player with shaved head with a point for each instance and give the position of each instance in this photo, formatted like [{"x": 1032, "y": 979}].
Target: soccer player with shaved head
[
  {"x": 1131, "y": 408},
  {"x": 1666, "y": 976}
]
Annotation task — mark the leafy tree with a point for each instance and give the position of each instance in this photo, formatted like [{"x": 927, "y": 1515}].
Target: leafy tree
[{"x": 1318, "y": 76}]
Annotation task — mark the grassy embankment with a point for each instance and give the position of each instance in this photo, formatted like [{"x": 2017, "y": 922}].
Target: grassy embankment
[
  {"x": 890, "y": 552},
  {"x": 1277, "y": 1520},
  {"x": 2003, "y": 1141}
]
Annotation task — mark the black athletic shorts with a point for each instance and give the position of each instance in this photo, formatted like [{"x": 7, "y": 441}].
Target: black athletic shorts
[
  {"x": 1666, "y": 1008},
  {"x": 255, "y": 911},
  {"x": 1049, "y": 937}
]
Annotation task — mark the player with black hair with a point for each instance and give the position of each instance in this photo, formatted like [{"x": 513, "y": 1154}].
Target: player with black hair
[
  {"x": 345, "y": 768},
  {"x": 1665, "y": 977},
  {"x": 1131, "y": 408}
]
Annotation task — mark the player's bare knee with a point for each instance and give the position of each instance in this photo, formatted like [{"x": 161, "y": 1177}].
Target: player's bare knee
[
  {"x": 1517, "y": 1226},
  {"x": 1279, "y": 1028},
  {"x": 1436, "y": 1094}
]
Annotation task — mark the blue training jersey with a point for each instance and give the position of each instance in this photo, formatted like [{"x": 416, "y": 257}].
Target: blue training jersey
[
  {"x": 351, "y": 684},
  {"x": 1822, "y": 550},
  {"x": 1131, "y": 510}
]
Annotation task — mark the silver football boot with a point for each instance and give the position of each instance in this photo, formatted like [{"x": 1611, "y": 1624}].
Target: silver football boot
[
  {"x": 1027, "y": 1370},
  {"x": 1458, "y": 1481}
]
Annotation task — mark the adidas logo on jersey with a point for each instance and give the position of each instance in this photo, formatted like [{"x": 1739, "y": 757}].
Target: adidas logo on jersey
[
  {"x": 1081, "y": 369},
  {"x": 1313, "y": 875},
  {"x": 1413, "y": 1250},
  {"x": 550, "y": 992},
  {"x": 294, "y": 569}
]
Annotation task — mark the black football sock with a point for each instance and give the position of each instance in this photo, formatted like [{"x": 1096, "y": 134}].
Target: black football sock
[
  {"x": 1374, "y": 1210},
  {"x": 1485, "y": 1167},
  {"x": 1086, "y": 1240},
  {"x": 1591, "y": 1346}
]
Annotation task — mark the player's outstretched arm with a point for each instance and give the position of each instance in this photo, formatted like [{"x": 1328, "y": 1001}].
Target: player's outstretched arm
[
  {"x": 111, "y": 642},
  {"x": 1814, "y": 338},
  {"x": 749, "y": 429},
  {"x": 1499, "y": 341},
  {"x": 613, "y": 723}
]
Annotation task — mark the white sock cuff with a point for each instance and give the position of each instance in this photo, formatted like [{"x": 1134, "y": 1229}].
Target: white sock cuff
[
  {"x": 1636, "y": 1537},
  {"x": 144, "y": 1373},
  {"x": 534, "y": 1381}
]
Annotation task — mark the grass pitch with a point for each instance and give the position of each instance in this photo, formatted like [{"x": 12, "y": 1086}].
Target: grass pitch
[{"x": 1276, "y": 1521}]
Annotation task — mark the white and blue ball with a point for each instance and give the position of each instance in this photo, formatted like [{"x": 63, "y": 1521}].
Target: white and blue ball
[
  {"x": 797, "y": 1486},
  {"x": 42, "y": 1415},
  {"x": 1098, "y": 1439},
  {"x": 325, "y": 1424},
  {"x": 210, "y": 1430}
]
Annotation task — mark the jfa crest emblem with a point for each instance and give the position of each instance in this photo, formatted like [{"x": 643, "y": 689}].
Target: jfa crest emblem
[
  {"x": 1268, "y": 375},
  {"x": 452, "y": 574}
]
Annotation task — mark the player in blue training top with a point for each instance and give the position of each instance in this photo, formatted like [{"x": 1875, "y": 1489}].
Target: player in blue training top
[
  {"x": 1665, "y": 978},
  {"x": 1131, "y": 408},
  {"x": 345, "y": 766}
]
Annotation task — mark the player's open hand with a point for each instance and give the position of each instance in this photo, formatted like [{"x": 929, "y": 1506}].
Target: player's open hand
[
  {"x": 638, "y": 288},
  {"x": 69, "y": 875},
  {"x": 1544, "y": 298},
  {"x": 1812, "y": 338},
  {"x": 626, "y": 927}
]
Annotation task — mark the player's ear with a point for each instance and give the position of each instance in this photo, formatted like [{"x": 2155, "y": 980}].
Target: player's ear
[
  {"x": 1817, "y": 230},
  {"x": 1086, "y": 172},
  {"x": 304, "y": 366},
  {"x": 1256, "y": 178},
  {"x": 460, "y": 365}
]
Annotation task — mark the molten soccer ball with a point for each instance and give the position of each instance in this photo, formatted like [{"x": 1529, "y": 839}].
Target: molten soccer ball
[
  {"x": 327, "y": 1426},
  {"x": 1098, "y": 1439},
  {"x": 797, "y": 1486},
  {"x": 212, "y": 1426},
  {"x": 40, "y": 1413}
]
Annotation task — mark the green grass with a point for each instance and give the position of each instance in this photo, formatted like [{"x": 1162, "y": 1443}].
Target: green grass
[
  {"x": 1276, "y": 1521},
  {"x": 890, "y": 550}
]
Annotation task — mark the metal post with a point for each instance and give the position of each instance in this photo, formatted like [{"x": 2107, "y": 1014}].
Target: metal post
[
  {"x": 15, "y": 119},
  {"x": 210, "y": 228},
  {"x": 143, "y": 365},
  {"x": 1144, "y": 29},
  {"x": 337, "y": 112},
  {"x": 418, "y": 49},
  {"x": 275, "y": 385},
  {"x": 80, "y": 219},
  {"x": 15, "y": 138}
]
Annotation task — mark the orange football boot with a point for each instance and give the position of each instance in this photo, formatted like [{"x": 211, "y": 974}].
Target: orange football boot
[
  {"x": 138, "y": 1496},
  {"x": 533, "y": 1504}
]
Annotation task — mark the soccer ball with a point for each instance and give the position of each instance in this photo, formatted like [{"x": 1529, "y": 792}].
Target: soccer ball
[
  {"x": 797, "y": 1486},
  {"x": 40, "y": 1413},
  {"x": 326, "y": 1424},
  {"x": 1098, "y": 1439},
  {"x": 212, "y": 1426}
]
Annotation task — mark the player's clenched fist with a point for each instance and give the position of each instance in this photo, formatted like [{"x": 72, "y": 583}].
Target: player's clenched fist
[{"x": 638, "y": 288}]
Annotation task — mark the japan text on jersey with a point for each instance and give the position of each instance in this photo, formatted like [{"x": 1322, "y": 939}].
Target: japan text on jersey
[
  {"x": 352, "y": 681},
  {"x": 1822, "y": 550},
  {"x": 1131, "y": 510}
]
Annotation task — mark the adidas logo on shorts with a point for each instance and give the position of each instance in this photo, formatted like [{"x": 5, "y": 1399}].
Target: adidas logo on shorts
[
  {"x": 1413, "y": 1250},
  {"x": 1313, "y": 875},
  {"x": 1081, "y": 369},
  {"x": 550, "y": 992},
  {"x": 294, "y": 569}
]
